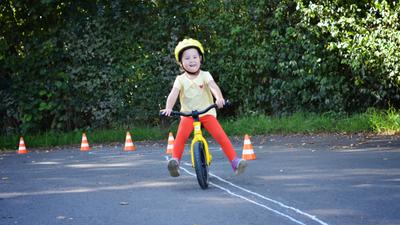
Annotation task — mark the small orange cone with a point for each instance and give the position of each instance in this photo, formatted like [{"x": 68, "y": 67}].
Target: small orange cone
[
  {"x": 85, "y": 143},
  {"x": 21, "y": 148},
  {"x": 248, "y": 152},
  {"x": 128, "y": 143},
  {"x": 170, "y": 143}
]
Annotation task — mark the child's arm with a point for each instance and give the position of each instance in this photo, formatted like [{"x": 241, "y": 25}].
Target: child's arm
[
  {"x": 219, "y": 99},
  {"x": 171, "y": 100}
]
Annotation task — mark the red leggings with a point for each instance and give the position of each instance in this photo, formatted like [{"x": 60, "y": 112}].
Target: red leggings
[{"x": 212, "y": 126}]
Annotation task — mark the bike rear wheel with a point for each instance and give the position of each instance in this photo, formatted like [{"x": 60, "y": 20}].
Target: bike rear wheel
[{"x": 200, "y": 164}]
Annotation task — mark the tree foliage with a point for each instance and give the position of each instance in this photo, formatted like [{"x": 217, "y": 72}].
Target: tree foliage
[{"x": 68, "y": 64}]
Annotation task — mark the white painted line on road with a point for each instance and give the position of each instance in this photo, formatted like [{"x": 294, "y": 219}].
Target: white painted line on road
[
  {"x": 314, "y": 218},
  {"x": 271, "y": 200},
  {"x": 249, "y": 200}
]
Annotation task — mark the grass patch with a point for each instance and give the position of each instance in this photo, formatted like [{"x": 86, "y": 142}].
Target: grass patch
[
  {"x": 306, "y": 123},
  {"x": 384, "y": 122},
  {"x": 373, "y": 121},
  {"x": 51, "y": 139}
]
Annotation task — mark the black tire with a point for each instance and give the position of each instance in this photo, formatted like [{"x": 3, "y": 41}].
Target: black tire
[{"x": 200, "y": 164}]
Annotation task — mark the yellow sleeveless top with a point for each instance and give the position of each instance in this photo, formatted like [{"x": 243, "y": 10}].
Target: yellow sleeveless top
[{"x": 195, "y": 94}]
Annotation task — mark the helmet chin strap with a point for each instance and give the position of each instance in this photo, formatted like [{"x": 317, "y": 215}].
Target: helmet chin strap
[{"x": 190, "y": 73}]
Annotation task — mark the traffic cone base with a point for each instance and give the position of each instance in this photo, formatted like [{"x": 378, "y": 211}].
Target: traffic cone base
[
  {"x": 248, "y": 152},
  {"x": 129, "y": 143},
  {"x": 85, "y": 144},
  {"x": 170, "y": 145},
  {"x": 21, "y": 147}
]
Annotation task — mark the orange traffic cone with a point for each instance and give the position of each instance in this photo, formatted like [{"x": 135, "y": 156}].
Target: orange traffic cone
[
  {"x": 248, "y": 152},
  {"x": 21, "y": 147},
  {"x": 170, "y": 143},
  {"x": 85, "y": 143},
  {"x": 128, "y": 143}
]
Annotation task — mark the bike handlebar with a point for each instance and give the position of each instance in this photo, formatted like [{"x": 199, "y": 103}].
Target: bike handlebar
[{"x": 195, "y": 112}]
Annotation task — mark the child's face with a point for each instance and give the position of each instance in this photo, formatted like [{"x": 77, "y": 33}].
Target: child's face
[{"x": 191, "y": 60}]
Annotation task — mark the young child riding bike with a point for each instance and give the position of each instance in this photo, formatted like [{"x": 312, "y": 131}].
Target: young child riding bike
[{"x": 196, "y": 89}]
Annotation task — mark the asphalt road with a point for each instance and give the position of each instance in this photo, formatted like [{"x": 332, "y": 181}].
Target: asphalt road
[{"x": 329, "y": 179}]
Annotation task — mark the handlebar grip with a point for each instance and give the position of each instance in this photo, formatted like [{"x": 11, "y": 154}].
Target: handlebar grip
[
  {"x": 173, "y": 113},
  {"x": 195, "y": 113}
]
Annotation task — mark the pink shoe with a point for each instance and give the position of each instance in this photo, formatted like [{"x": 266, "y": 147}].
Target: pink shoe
[{"x": 239, "y": 165}]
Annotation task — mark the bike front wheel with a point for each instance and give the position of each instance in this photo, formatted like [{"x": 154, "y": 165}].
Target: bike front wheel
[{"x": 200, "y": 164}]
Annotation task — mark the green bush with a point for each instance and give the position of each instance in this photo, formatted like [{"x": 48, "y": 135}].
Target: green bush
[{"x": 70, "y": 65}]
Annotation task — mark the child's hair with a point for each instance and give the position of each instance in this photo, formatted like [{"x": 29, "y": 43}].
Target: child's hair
[{"x": 186, "y": 44}]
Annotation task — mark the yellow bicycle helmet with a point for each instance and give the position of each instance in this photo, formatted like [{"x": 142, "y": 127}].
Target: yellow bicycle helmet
[{"x": 185, "y": 44}]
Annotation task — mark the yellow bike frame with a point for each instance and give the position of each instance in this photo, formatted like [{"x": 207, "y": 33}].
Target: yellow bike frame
[{"x": 198, "y": 136}]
